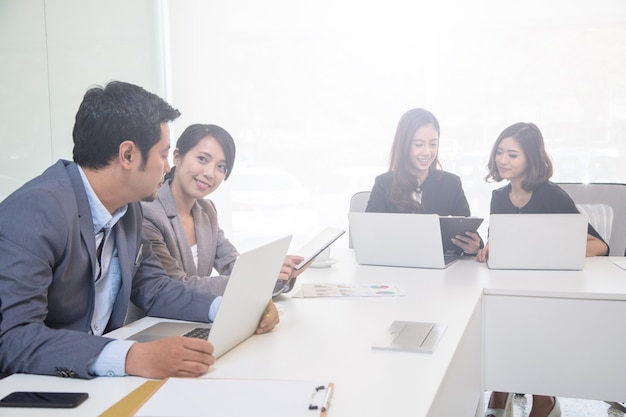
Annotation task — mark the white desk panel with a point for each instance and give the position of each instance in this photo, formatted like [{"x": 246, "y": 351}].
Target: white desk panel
[
  {"x": 557, "y": 332},
  {"x": 600, "y": 279},
  {"x": 555, "y": 346}
]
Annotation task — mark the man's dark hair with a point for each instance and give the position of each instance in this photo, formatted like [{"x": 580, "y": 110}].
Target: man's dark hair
[{"x": 111, "y": 115}]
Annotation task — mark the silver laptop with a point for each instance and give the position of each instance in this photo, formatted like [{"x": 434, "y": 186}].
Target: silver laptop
[
  {"x": 247, "y": 293},
  {"x": 398, "y": 239},
  {"x": 537, "y": 241}
]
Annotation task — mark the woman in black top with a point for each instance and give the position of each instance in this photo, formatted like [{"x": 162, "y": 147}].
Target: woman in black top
[
  {"x": 519, "y": 156},
  {"x": 415, "y": 182}
]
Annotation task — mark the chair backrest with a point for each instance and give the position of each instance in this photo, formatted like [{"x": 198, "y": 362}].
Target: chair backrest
[
  {"x": 605, "y": 204},
  {"x": 358, "y": 202},
  {"x": 600, "y": 216}
]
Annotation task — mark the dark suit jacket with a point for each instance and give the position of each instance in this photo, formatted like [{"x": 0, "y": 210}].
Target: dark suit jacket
[
  {"x": 442, "y": 195},
  {"x": 47, "y": 259}
]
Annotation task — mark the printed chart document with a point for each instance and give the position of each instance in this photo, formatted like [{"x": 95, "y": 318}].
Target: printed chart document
[
  {"x": 348, "y": 290},
  {"x": 201, "y": 397}
]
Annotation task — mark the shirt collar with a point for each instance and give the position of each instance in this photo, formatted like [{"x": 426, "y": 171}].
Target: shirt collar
[{"x": 99, "y": 214}]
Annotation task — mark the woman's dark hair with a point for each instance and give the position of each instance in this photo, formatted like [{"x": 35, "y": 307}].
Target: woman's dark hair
[
  {"x": 111, "y": 115},
  {"x": 195, "y": 133},
  {"x": 538, "y": 164},
  {"x": 404, "y": 180}
]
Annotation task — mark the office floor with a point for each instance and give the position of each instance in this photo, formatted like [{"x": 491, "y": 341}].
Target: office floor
[{"x": 570, "y": 407}]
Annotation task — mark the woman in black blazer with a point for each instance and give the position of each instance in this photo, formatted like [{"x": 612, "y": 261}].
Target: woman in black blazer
[{"x": 415, "y": 181}]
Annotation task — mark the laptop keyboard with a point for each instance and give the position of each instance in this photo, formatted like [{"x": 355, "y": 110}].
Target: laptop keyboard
[
  {"x": 449, "y": 258},
  {"x": 283, "y": 286},
  {"x": 198, "y": 333}
]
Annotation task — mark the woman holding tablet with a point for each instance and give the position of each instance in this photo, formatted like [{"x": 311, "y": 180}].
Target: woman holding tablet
[
  {"x": 415, "y": 181},
  {"x": 182, "y": 225},
  {"x": 519, "y": 156}
]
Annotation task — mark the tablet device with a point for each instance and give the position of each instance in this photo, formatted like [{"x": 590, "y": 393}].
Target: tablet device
[
  {"x": 456, "y": 225},
  {"x": 316, "y": 245}
]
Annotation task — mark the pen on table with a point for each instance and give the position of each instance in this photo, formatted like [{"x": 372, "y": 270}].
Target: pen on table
[{"x": 328, "y": 396}]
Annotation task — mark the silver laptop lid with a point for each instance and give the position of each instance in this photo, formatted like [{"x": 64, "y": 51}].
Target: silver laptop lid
[
  {"x": 397, "y": 239},
  {"x": 247, "y": 294},
  {"x": 537, "y": 241}
]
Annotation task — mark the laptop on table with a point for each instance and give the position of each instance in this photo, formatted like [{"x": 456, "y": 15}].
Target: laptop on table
[
  {"x": 401, "y": 239},
  {"x": 537, "y": 241},
  {"x": 245, "y": 299}
]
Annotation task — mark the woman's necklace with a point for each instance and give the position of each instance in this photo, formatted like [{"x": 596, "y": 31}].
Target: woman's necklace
[{"x": 417, "y": 195}]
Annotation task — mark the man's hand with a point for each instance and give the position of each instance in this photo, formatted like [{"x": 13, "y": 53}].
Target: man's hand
[
  {"x": 170, "y": 357},
  {"x": 269, "y": 320}
]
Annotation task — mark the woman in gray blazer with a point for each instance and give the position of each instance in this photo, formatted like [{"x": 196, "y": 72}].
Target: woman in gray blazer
[{"x": 182, "y": 225}]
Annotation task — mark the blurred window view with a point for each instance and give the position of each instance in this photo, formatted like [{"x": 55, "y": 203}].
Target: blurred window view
[
  {"x": 312, "y": 93},
  {"x": 267, "y": 200}
]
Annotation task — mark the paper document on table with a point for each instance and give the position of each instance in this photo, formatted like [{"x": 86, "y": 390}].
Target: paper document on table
[
  {"x": 348, "y": 290},
  {"x": 620, "y": 262},
  {"x": 200, "y": 397}
]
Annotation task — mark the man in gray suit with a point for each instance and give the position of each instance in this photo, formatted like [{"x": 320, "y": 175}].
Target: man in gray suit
[{"x": 73, "y": 254}]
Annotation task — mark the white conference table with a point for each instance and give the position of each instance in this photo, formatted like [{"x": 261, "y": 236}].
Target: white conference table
[{"x": 544, "y": 332}]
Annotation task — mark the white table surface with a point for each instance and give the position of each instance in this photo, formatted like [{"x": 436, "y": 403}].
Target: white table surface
[{"x": 330, "y": 338}]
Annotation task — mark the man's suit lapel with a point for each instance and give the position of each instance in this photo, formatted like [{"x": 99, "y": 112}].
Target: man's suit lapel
[
  {"x": 87, "y": 234},
  {"x": 84, "y": 213}
]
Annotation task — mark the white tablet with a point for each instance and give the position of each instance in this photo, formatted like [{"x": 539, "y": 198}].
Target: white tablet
[{"x": 316, "y": 245}]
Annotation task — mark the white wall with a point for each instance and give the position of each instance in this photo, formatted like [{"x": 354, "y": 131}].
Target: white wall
[
  {"x": 316, "y": 88},
  {"x": 51, "y": 52}
]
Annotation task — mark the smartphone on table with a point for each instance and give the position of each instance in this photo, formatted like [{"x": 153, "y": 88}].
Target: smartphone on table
[{"x": 41, "y": 399}]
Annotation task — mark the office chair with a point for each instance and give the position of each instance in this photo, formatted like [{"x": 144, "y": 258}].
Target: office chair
[
  {"x": 358, "y": 203},
  {"x": 605, "y": 205},
  {"x": 601, "y": 218}
]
